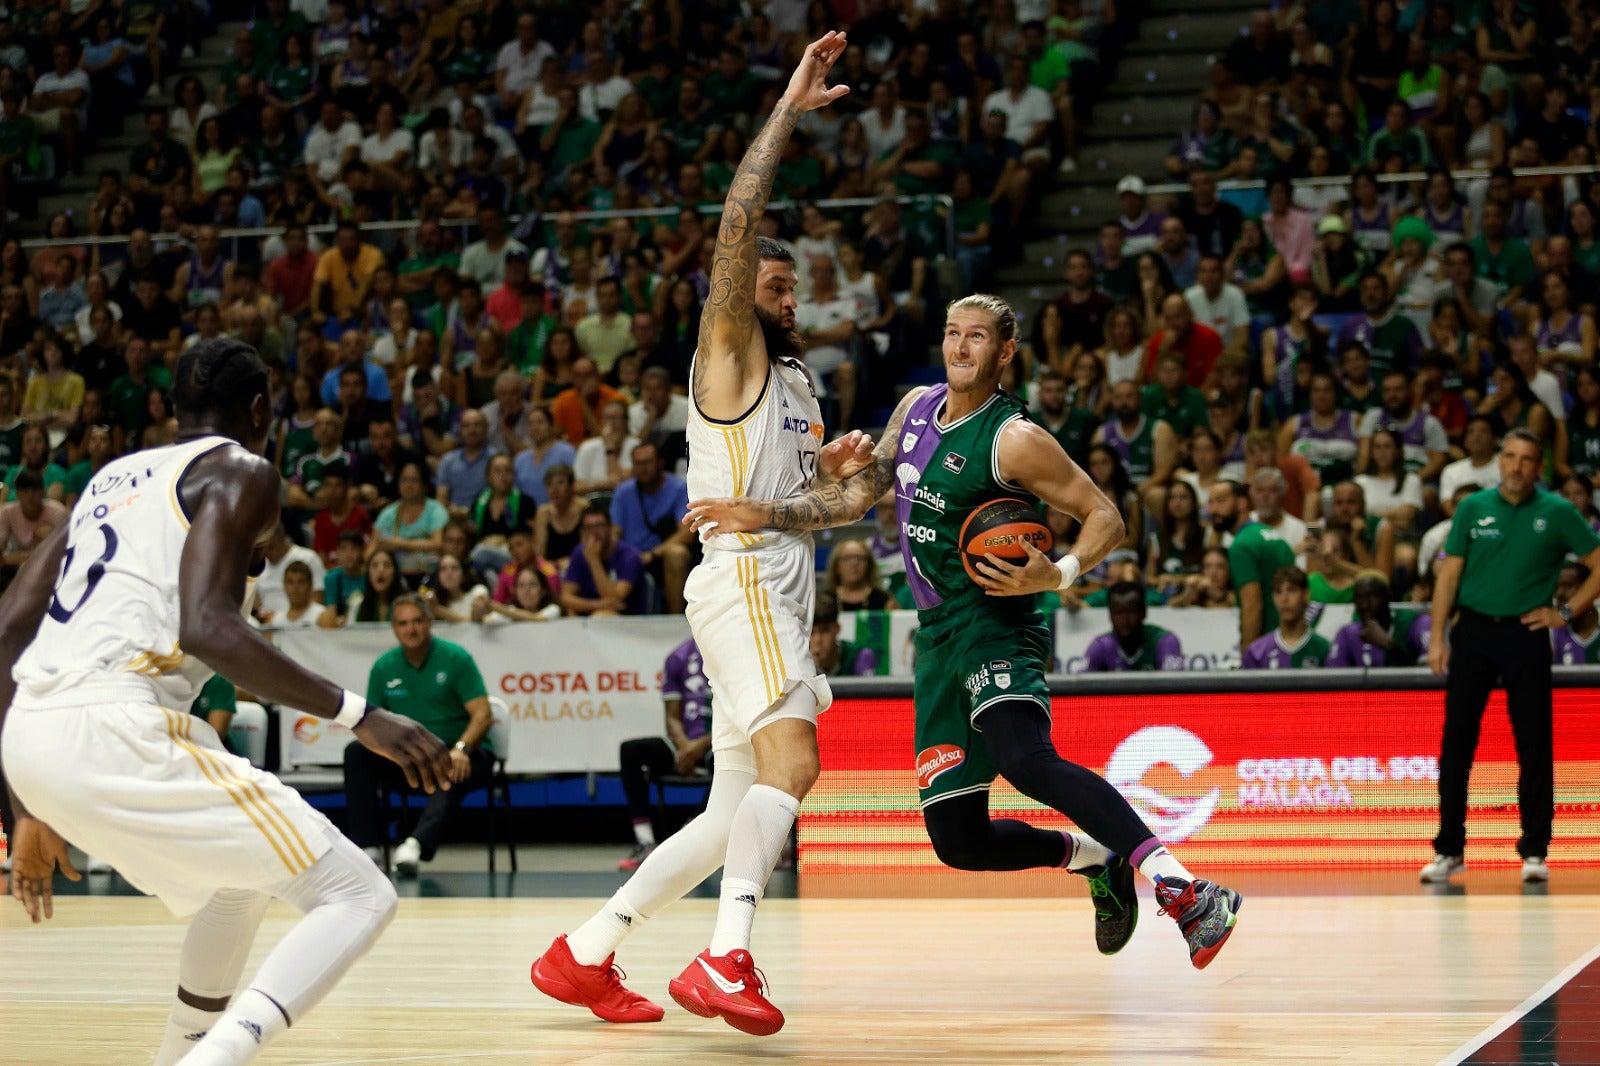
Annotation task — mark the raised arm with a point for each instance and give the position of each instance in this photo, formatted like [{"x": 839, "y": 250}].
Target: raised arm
[
  {"x": 726, "y": 364},
  {"x": 832, "y": 503}
]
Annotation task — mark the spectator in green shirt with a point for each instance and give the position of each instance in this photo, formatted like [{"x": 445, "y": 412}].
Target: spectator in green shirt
[
  {"x": 1500, "y": 257},
  {"x": 436, "y": 684},
  {"x": 570, "y": 139}
]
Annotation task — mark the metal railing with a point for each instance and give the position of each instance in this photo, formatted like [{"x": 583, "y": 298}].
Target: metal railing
[
  {"x": 465, "y": 226},
  {"x": 1173, "y": 187}
]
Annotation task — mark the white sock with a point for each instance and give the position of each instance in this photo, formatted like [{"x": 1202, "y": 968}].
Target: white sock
[
  {"x": 242, "y": 1033},
  {"x": 595, "y": 940},
  {"x": 1084, "y": 852},
  {"x": 186, "y": 1027},
  {"x": 760, "y": 830},
  {"x": 1161, "y": 863},
  {"x": 643, "y": 833}
]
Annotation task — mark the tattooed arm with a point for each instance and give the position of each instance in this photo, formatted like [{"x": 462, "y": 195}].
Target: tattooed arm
[
  {"x": 725, "y": 367},
  {"x": 832, "y": 503}
]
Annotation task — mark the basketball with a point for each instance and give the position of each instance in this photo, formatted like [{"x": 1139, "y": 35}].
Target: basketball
[{"x": 999, "y": 528}]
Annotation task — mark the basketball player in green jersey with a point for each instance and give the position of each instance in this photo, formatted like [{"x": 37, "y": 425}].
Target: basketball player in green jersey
[{"x": 982, "y": 704}]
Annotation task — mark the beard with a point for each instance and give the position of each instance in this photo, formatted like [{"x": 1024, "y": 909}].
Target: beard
[{"x": 781, "y": 343}]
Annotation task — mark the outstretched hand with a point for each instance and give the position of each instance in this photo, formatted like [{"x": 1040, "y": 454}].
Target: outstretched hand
[
  {"x": 808, "y": 87},
  {"x": 36, "y": 851},
  {"x": 1000, "y": 577},
  {"x": 847, "y": 456},
  {"x": 720, "y": 516},
  {"x": 419, "y": 754}
]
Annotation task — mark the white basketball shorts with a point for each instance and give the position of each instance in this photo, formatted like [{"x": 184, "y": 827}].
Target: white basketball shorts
[
  {"x": 750, "y": 612},
  {"x": 153, "y": 792}
]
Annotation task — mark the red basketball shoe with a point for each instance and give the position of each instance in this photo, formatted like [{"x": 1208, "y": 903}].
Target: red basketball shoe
[
  {"x": 730, "y": 986},
  {"x": 558, "y": 975}
]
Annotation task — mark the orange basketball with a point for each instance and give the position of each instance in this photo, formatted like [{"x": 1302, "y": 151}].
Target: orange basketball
[{"x": 999, "y": 528}]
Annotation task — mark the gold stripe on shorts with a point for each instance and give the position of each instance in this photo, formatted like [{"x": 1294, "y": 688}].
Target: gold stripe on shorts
[
  {"x": 293, "y": 860},
  {"x": 747, "y": 579},
  {"x": 282, "y": 821},
  {"x": 777, "y": 646}
]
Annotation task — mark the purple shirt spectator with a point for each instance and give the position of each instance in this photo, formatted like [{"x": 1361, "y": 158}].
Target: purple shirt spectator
[
  {"x": 1271, "y": 653},
  {"x": 683, "y": 678},
  {"x": 1350, "y": 650},
  {"x": 1159, "y": 650},
  {"x": 624, "y": 565}
]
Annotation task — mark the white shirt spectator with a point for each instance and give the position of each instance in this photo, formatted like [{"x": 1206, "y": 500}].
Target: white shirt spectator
[
  {"x": 324, "y": 151},
  {"x": 315, "y": 11},
  {"x": 812, "y": 315},
  {"x": 1024, "y": 115},
  {"x": 379, "y": 149},
  {"x": 864, "y": 291},
  {"x": 1227, "y": 313},
  {"x": 488, "y": 267},
  {"x": 675, "y": 420},
  {"x": 80, "y": 321},
  {"x": 1289, "y": 529},
  {"x": 590, "y": 462},
  {"x": 1382, "y": 496},
  {"x": 457, "y": 106},
  {"x": 431, "y": 158},
  {"x": 1432, "y": 545},
  {"x": 180, "y": 129},
  {"x": 1547, "y": 388},
  {"x": 1462, "y": 472},
  {"x": 1125, "y": 366},
  {"x": 51, "y": 82},
  {"x": 269, "y": 585},
  {"x": 883, "y": 136},
  {"x": 1434, "y": 438},
  {"x": 593, "y": 99},
  {"x": 522, "y": 70}
]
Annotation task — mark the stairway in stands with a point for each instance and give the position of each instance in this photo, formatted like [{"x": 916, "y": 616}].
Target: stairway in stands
[
  {"x": 74, "y": 194},
  {"x": 1144, "y": 110}
]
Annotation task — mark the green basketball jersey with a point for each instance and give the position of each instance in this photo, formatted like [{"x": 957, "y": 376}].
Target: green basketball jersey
[
  {"x": 1583, "y": 447},
  {"x": 943, "y": 474}
]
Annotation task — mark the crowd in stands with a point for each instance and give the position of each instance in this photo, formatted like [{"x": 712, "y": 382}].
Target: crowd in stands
[
  {"x": 480, "y": 376},
  {"x": 1288, "y": 387}
]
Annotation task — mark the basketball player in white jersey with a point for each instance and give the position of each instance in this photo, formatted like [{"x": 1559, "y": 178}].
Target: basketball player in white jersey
[
  {"x": 109, "y": 632},
  {"x": 754, "y": 422}
]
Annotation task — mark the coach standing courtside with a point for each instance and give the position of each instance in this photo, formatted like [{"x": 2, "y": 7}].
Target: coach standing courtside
[{"x": 1504, "y": 555}]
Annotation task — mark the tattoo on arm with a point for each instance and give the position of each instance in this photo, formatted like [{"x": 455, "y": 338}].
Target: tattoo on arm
[
  {"x": 838, "y": 503},
  {"x": 731, "y": 301}
]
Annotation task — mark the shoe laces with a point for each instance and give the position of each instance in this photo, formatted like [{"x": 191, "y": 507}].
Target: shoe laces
[
  {"x": 1100, "y": 884},
  {"x": 745, "y": 967},
  {"x": 613, "y": 976},
  {"x": 1175, "y": 903}
]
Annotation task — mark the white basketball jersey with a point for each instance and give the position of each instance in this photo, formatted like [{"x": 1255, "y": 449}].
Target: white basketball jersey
[
  {"x": 114, "y": 616},
  {"x": 768, "y": 454}
]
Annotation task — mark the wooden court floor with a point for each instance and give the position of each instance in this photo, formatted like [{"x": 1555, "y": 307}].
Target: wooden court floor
[{"x": 1406, "y": 977}]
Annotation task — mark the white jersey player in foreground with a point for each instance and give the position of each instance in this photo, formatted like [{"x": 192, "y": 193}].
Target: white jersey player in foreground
[
  {"x": 755, "y": 428},
  {"x": 109, "y": 632}
]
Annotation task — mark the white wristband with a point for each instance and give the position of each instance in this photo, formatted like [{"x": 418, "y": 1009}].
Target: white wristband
[
  {"x": 1070, "y": 568},
  {"x": 352, "y": 708}
]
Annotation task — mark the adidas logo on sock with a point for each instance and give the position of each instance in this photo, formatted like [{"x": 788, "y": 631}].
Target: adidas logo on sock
[
  {"x": 623, "y": 918},
  {"x": 195, "y": 1037},
  {"x": 747, "y": 898},
  {"x": 253, "y": 1029}
]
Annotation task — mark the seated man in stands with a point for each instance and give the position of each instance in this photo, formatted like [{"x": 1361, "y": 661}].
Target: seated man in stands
[
  {"x": 1292, "y": 646},
  {"x": 435, "y": 683},
  {"x": 834, "y": 657},
  {"x": 647, "y": 510},
  {"x": 1380, "y": 636},
  {"x": 1575, "y": 643},
  {"x": 604, "y": 576},
  {"x": 1132, "y": 644},
  {"x": 685, "y": 752},
  {"x": 26, "y": 521}
]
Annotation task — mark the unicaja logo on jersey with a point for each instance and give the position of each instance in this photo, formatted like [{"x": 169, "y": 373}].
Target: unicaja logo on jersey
[
  {"x": 1173, "y": 818},
  {"x": 931, "y": 762}
]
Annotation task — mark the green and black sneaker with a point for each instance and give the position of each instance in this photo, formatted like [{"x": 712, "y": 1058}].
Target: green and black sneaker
[{"x": 1116, "y": 904}]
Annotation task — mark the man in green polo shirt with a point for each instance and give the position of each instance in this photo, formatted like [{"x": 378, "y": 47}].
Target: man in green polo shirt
[
  {"x": 436, "y": 684},
  {"x": 1254, "y": 556},
  {"x": 1504, "y": 555}
]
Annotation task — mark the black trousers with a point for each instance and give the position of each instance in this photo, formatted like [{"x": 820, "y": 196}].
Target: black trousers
[
  {"x": 643, "y": 760},
  {"x": 1484, "y": 652},
  {"x": 366, "y": 772}
]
